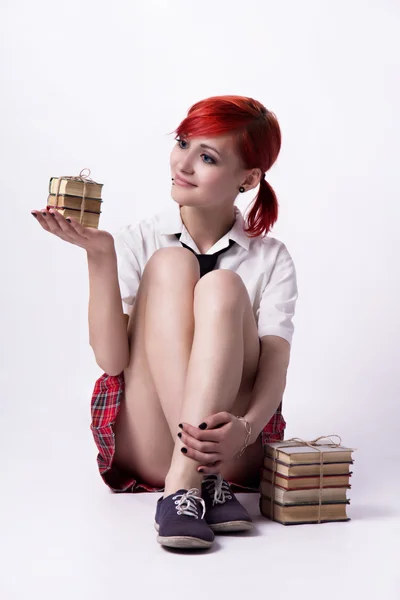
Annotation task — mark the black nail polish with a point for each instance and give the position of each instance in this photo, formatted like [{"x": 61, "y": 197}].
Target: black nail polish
[
  {"x": 179, "y": 435},
  {"x": 34, "y": 215},
  {"x": 44, "y": 214},
  {"x": 68, "y": 219},
  {"x": 201, "y": 470},
  {"x": 53, "y": 215},
  {"x": 203, "y": 426},
  {"x": 184, "y": 450},
  {"x": 180, "y": 425}
]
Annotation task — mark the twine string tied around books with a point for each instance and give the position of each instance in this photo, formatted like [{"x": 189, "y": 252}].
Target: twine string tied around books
[
  {"x": 311, "y": 444},
  {"x": 81, "y": 177}
]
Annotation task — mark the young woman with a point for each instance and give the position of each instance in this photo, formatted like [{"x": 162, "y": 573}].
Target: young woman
[{"x": 190, "y": 318}]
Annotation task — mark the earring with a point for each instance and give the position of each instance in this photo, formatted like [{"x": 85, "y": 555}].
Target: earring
[{"x": 241, "y": 189}]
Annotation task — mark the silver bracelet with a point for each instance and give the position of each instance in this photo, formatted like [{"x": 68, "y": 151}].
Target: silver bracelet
[{"x": 246, "y": 441}]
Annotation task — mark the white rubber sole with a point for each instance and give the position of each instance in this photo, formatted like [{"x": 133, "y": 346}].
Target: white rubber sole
[
  {"x": 181, "y": 541},
  {"x": 232, "y": 526}
]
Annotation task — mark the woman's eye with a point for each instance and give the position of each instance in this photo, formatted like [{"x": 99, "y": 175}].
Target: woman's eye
[{"x": 213, "y": 162}]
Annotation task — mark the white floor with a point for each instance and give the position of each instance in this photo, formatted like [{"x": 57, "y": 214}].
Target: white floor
[{"x": 64, "y": 535}]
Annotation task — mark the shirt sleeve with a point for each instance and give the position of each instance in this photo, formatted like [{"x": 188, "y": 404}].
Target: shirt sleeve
[
  {"x": 278, "y": 299},
  {"x": 128, "y": 249}
]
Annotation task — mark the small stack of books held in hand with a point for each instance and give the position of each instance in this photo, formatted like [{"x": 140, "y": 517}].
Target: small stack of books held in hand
[
  {"x": 305, "y": 481},
  {"x": 76, "y": 197}
]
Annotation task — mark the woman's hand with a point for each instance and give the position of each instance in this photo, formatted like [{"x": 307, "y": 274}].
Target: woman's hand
[
  {"x": 221, "y": 441},
  {"x": 95, "y": 241}
]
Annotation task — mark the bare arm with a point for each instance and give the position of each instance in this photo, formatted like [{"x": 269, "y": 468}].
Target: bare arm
[
  {"x": 107, "y": 323},
  {"x": 270, "y": 383}
]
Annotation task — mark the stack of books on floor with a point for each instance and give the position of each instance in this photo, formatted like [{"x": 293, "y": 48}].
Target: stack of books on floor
[
  {"x": 76, "y": 197},
  {"x": 299, "y": 484}
]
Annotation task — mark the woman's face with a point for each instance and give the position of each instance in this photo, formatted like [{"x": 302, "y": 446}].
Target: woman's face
[{"x": 216, "y": 173}]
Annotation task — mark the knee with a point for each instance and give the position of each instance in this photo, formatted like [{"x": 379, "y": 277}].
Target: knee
[
  {"x": 166, "y": 262},
  {"x": 222, "y": 288}
]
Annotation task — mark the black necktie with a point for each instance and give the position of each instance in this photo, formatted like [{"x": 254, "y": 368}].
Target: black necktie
[{"x": 207, "y": 261}]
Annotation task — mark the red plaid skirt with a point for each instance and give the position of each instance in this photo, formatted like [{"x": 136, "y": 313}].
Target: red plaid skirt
[{"x": 106, "y": 400}]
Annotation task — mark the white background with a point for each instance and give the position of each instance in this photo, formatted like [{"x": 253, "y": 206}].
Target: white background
[{"x": 102, "y": 85}]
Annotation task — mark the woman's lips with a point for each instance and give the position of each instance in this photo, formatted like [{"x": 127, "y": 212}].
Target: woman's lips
[{"x": 183, "y": 183}]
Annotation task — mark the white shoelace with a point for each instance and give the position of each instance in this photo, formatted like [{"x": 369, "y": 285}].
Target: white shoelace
[
  {"x": 186, "y": 505},
  {"x": 219, "y": 486}
]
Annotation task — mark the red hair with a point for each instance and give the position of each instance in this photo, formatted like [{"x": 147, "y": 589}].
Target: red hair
[{"x": 257, "y": 141}]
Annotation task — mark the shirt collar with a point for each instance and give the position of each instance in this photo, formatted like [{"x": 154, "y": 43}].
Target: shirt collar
[{"x": 170, "y": 223}]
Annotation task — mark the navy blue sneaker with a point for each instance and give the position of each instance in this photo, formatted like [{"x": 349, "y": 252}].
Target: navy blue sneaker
[
  {"x": 223, "y": 510},
  {"x": 179, "y": 523}
]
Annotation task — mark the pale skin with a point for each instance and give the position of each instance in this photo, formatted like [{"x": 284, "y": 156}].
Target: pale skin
[{"x": 192, "y": 355}]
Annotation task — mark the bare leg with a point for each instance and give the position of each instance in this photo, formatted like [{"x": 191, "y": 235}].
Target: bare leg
[
  {"x": 161, "y": 337},
  {"x": 144, "y": 438},
  {"x": 169, "y": 327},
  {"x": 216, "y": 365}
]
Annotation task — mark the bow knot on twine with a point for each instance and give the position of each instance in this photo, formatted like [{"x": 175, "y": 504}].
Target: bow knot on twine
[
  {"x": 81, "y": 177},
  {"x": 311, "y": 444}
]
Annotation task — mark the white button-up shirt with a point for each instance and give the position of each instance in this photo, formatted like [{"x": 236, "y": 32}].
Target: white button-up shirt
[{"x": 264, "y": 265}]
